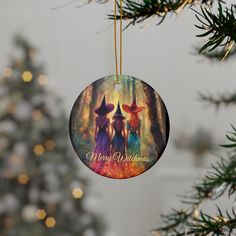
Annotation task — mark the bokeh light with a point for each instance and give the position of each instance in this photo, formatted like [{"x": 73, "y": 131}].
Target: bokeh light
[
  {"x": 27, "y": 76},
  {"x": 23, "y": 179},
  {"x": 77, "y": 193},
  {"x": 41, "y": 214},
  {"x": 39, "y": 149},
  {"x": 7, "y": 72},
  {"x": 42, "y": 80},
  {"x": 49, "y": 144},
  {"x": 50, "y": 222}
]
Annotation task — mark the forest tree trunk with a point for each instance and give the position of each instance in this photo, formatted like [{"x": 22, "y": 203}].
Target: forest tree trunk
[
  {"x": 93, "y": 102},
  {"x": 155, "y": 130}
]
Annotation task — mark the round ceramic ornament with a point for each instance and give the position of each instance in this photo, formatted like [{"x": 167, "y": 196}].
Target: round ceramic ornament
[{"x": 119, "y": 130}]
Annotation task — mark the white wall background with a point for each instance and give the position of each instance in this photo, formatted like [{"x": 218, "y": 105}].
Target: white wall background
[{"x": 162, "y": 56}]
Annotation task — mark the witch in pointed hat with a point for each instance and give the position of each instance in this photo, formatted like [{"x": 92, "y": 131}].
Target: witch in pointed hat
[
  {"x": 133, "y": 126},
  {"x": 104, "y": 108},
  {"x": 118, "y": 129},
  {"x": 102, "y": 131}
]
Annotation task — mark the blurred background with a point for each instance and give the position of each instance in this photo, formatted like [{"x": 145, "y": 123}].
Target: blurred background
[{"x": 56, "y": 54}]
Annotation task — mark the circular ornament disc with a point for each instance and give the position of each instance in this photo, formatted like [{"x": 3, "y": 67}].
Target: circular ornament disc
[{"x": 119, "y": 130}]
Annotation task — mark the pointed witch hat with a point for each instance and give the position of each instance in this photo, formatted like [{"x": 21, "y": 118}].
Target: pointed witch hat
[
  {"x": 104, "y": 108},
  {"x": 133, "y": 108},
  {"x": 118, "y": 113}
]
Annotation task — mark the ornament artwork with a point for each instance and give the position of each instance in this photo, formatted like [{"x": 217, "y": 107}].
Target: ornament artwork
[{"x": 119, "y": 130}]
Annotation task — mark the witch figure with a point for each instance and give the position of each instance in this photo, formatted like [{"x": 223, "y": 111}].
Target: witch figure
[
  {"x": 102, "y": 130},
  {"x": 118, "y": 129},
  {"x": 133, "y": 126}
]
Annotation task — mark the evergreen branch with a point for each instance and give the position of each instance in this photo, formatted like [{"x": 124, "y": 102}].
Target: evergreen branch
[
  {"x": 220, "y": 100},
  {"x": 209, "y": 225},
  {"x": 181, "y": 223},
  {"x": 221, "y": 178},
  {"x": 176, "y": 220},
  {"x": 215, "y": 55},
  {"x": 216, "y": 182},
  {"x": 220, "y": 29},
  {"x": 138, "y": 11}
]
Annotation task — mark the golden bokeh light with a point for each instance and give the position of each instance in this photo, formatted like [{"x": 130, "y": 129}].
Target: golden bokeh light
[
  {"x": 77, "y": 193},
  {"x": 49, "y": 144},
  {"x": 7, "y": 72},
  {"x": 23, "y": 179},
  {"x": 37, "y": 115},
  {"x": 50, "y": 222},
  {"x": 42, "y": 80},
  {"x": 196, "y": 213},
  {"x": 27, "y": 76},
  {"x": 39, "y": 149},
  {"x": 41, "y": 214}
]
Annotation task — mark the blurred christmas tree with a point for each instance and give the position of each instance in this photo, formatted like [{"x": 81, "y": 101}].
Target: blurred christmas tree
[{"x": 41, "y": 193}]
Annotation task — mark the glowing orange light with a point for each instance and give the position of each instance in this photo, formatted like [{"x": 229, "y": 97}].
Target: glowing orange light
[
  {"x": 27, "y": 76},
  {"x": 37, "y": 115},
  {"x": 77, "y": 193},
  {"x": 7, "y": 72},
  {"x": 49, "y": 144},
  {"x": 50, "y": 222},
  {"x": 39, "y": 149},
  {"x": 41, "y": 214},
  {"x": 23, "y": 179},
  {"x": 42, "y": 80}
]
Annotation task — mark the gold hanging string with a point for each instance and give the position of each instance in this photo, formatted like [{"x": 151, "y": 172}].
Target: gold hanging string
[
  {"x": 115, "y": 39},
  {"x": 121, "y": 36}
]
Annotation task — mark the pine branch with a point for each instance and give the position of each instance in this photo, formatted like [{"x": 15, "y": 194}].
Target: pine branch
[
  {"x": 183, "y": 223},
  {"x": 220, "y": 28},
  {"x": 221, "y": 178},
  {"x": 137, "y": 12},
  {"x": 223, "y": 99},
  {"x": 215, "y": 55},
  {"x": 213, "y": 225}
]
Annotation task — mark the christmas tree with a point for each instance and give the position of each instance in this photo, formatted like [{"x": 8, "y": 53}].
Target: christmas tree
[{"x": 42, "y": 192}]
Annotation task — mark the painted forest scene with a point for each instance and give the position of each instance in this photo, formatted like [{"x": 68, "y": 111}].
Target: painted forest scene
[{"x": 119, "y": 132}]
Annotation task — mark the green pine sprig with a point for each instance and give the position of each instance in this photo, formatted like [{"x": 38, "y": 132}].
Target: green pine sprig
[
  {"x": 139, "y": 11},
  {"x": 220, "y": 179},
  {"x": 220, "y": 29}
]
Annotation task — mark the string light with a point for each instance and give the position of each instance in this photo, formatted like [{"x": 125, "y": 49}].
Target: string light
[
  {"x": 7, "y": 72},
  {"x": 42, "y": 80},
  {"x": 23, "y": 179},
  {"x": 49, "y": 144},
  {"x": 196, "y": 213},
  {"x": 50, "y": 222},
  {"x": 27, "y": 76},
  {"x": 37, "y": 115},
  {"x": 39, "y": 149},
  {"x": 41, "y": 214},
  {"x": 77, "y": 193}
]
